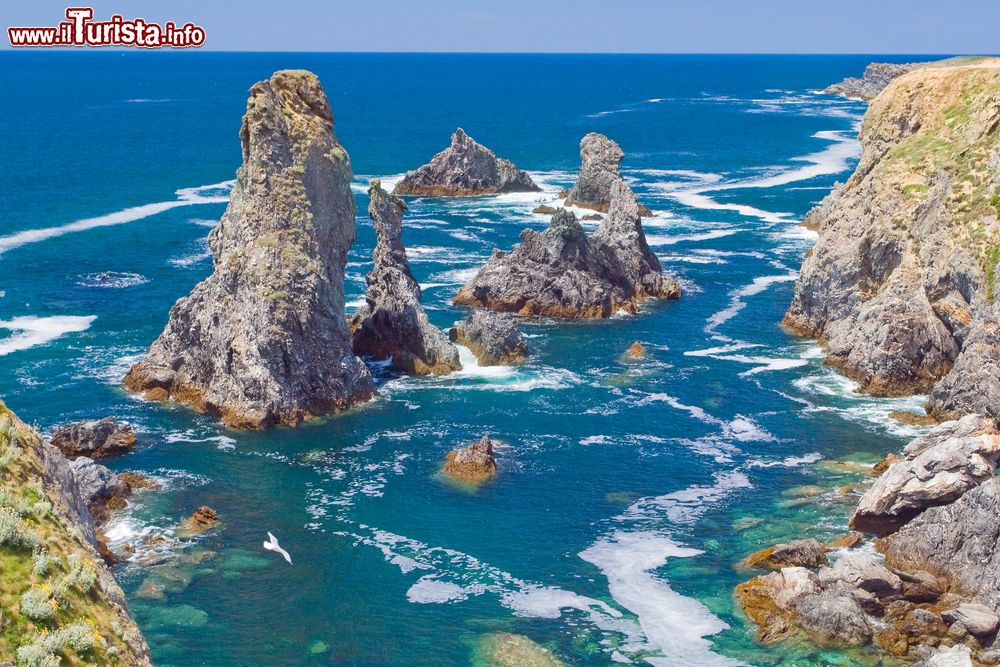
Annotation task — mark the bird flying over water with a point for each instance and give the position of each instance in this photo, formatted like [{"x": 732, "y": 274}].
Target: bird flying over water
[{"x": 272, "y": 545}]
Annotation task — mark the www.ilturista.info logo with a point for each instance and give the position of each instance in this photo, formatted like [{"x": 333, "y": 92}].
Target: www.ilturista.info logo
[{"x": 81, "y": 30}]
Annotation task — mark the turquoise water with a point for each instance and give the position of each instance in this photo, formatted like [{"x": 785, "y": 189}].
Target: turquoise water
[{"x": 627, "y": 490}]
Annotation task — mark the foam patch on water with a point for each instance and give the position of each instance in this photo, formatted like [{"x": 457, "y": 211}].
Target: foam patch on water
[
  {"x": 676, "y": 625},
  {"x": 216, "y": 193},
  {"x": 223, "y": 442},
  {"x": 30, "y": 331},
  {"x": 111, "y": 279},
  {"x": 737, "y": 303}
]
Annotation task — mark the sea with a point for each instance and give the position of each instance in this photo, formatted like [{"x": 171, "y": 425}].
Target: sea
[{"x": 628, "y": 490}]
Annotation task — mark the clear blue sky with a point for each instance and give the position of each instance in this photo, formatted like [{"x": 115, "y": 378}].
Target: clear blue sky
[{"x": 598, "y": 26}]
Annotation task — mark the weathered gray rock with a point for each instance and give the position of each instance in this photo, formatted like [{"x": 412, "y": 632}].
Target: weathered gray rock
[
  {"x": 600, "y": 169},
  {"x": 494, "y": 338},
  {"x": 979, "y": 620},
  {"x": 920, "y": 586},
  {"x": 102, "y": 489},
  {"x": 465, "y": 168},
  {"x": 97, "y": 438},
  {"x": 875, "y": 78},
  {"x": 834, "y": 616},
  {"x": 393, "y": 322},
  {"x": 958, "y": 541},
  {"x": 474, "y": 464},
  {"x": 563, "y": 273},
  {"x": 797, "y": 553},
  {"x": 898, "y": 282},
  {"x": 863, "y": 571},
  {"x": 973, "y": 384},
  {"x": 264, "y": 339},
  {"x": 958, "y": 655},
  {"x": 935, "y": 470},
  {"x": 770, "y": 600}
]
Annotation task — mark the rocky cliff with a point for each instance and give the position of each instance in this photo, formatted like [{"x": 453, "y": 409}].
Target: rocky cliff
[
  {"x": 875, "y": 78},
  {"x": 900, "y": 287},
  {"x": 600, "y": 169},
  {"x": 58, "y": 598},
  {"x": 465, "y": 168},
  {"x": 563, "y": 273},
  {"x": 264, "y": 339},
  {"x": 393, "y": 323}
]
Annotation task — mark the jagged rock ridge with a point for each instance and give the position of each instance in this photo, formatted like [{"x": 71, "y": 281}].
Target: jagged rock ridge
[
  {"x": 600, "y": 169},
  {"x": 563, "y": 273},
  {"x": 393, "y": 323},
  {"x": 264, "y": 339},
  {"x": 465, "y": 168},
  {"x": 900, "y": 285}
]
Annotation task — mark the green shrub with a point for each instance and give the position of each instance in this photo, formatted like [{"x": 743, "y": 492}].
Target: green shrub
[
  {"x": 34, "y": 655},
  {"x": 13, "y": 531},
  {"x": 36, "y": 605},
  {"x": 40, "y": 562}
]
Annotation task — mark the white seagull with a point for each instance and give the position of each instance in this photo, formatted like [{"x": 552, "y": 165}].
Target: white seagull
[{"x": 272, "y": 545}]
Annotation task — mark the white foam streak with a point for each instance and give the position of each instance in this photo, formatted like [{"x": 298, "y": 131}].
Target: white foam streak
[
  {"x": 30, "y": 331},
  {"x": 185, "y": 197}
]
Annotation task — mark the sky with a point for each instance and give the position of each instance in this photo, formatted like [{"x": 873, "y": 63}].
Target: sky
[{"x": 573, "y": 26}]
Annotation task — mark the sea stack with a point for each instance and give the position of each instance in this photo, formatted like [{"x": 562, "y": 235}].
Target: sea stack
[
  {"x": 264, "y": 339},
  {"x": 393, "y": 323},
  {"x": 600, "y": 160},
  {"x": 901, "y": 285},
  {"x": 473, "y": 464},
  {"x": 465, "y": 168},
  {"x": 563, "y": 273}
]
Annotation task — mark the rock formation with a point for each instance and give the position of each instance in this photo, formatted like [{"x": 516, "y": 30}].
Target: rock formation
[
  {"x": 44, "y": 509},
  {"x": 494, "y": 338},
  {"x": 938, "y": 509},
  {"x": 600, "y": 160},
  {"x": 393, "y": 323},
  {"x": 563, "y": 273},
  {"x": 935, "y": 470},
  {"x": 465, "y": 168},
  {"x": 95, "y": 439},
  {"x": 797, "y": 553},
  {"x": 202, "y": 519},
  {"x": 900, "y": 285},
  {"x": 264, "y": 339},
  {"x": 474, "y": 464},
  {"x": 875, "y": 78}
]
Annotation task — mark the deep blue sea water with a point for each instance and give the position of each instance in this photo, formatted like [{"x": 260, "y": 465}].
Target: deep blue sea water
[{"x": 627, "y": 491}]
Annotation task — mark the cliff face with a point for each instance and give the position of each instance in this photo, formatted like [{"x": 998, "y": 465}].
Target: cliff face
[
  {"x": 393, "y": 322},
  {"x": 264, "y": 339},
  {"x": 466, "y": 167},
  {"x": 58, "y": 597},
  {"x": 875, "y": 78},
  {"x": 900, "y": 285}
]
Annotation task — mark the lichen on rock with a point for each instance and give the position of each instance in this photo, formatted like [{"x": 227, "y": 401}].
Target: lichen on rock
[
  {"x": 264, "y": 340},
  {"x": 393, "y": 322}
]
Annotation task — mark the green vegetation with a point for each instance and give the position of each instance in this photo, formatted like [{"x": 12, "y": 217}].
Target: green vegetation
[
  {"x": 52, "y": 612},
  {"x": 990, "y": 260}
]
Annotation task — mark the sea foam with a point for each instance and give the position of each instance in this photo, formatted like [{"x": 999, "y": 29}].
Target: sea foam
[{"x": 29, "y": 331}]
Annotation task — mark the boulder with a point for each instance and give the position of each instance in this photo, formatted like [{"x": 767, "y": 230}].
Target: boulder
[
  {"x": 545, "y": 209},
  {"x": 474, "y": 464},
  {"x": 102, "y": 489},
  {"x": 978, "y": 619},
  {"x": 797, "y": 553},
  {"x": 494, "y": 338},
  {"x": 563, "y": 273},
  {"x": 863, "y": 571},
  {"x": 95, "y": 439},
  {"x": 769, "y": 601},
  {"x": 393, "y": 322},
  {"x": 600, "y": 168},
  {"x": 465, "y": 168},
  {"x": 202, "y": 519},
  {"x": 959, "y": 655},
  {"x": 636, "y": 350},
  {"x": 919, "y": 586},
  {"x": 834, "y": 616},
  {"x": 848, "y": 541},
  {"x": 935, "y": 470},
  {"x": 263, "y": 340}
]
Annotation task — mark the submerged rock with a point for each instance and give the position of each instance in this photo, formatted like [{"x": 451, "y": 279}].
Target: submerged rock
[
  {"x": 636, "y": 350},
  {"x": 95, "y": 439},
  {"x": 600, "y": 160},
  {"x": 899, "y": 287},
  {"x": 875, "y": 78},
  {"x": 935, "y": 470},
  {"x": 465, "y": 168},
  {"x": 494, "y": 338},
  {"x": 264, "y": 340},
  {"x": 563, "y": 273},
  {"x": 202, "y": 519},
  {"x": 503, "y": 649},
  {"x": 393, "y": 323},
  {"x": 474, "y": 463}
]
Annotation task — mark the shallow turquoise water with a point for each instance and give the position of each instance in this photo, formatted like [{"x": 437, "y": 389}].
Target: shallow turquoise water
[{"x": 627, "y": 490}]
